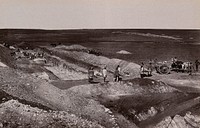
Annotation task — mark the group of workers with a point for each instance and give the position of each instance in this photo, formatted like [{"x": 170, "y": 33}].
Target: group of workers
[
  {"x": 143, "y": 71},
  {"x": 117, "y": 74},
  {"x": 191, "y": 67}
]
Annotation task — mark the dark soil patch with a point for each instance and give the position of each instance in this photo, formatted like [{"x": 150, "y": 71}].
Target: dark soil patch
[
  {"x": 143, "y": 102},
  {"x": 172, "y": 110},
  {"x": 66, "y": 84}
]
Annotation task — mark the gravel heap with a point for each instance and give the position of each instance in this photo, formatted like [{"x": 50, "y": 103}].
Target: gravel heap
[
  {"x": 188, "y": 121},
  {"x": 16, "y": 114}
]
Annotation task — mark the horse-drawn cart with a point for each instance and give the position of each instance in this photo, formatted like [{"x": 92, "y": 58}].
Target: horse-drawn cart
[{"x": 166, "y": 67}]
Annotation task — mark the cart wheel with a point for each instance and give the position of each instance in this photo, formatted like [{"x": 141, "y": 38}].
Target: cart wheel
[{"x": 164, "y": 69}]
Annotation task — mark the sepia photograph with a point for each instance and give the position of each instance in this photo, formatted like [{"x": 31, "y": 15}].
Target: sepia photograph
[{"x": 99, "y": 63}]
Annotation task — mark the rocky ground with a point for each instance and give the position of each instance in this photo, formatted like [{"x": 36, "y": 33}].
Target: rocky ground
[{"x": 53, "y": 91}]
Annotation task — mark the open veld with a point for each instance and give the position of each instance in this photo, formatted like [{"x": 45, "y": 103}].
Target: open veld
[{"x": 44, "y": 79}]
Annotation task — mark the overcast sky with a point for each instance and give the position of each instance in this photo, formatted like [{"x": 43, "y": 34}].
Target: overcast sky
[{"x": 68, "y": 14}]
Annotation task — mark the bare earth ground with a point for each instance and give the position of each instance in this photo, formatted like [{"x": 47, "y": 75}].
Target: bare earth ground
[{"x": 57, "y": 93}]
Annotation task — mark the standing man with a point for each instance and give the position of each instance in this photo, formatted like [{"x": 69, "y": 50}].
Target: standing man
[
  {"x": 90, "y": 75},
  {"x": 175, "y": 59},
  {"x": 142, "y": 72},
  {"x": 190, "y": 66},
  {"x": 104, "y": 72},
  {"x": 197, "y": 65},
  {"x": 150, "y": 68},
  {"x": 117, "y": 73}
]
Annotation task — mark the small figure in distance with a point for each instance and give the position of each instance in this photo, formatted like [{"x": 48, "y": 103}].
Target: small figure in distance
[
  {"x": 190, "y": 66},
  {"x": 175, "y": 59},
  {"x": 197, "y": 63},
  {"x": 117, "y": 74},
  {"x": 150, "y": 68},
  {"x": 175, "y": 64},
  {"x": 90, "y": 75},
  {"x": 104, "y": 73},
  {"x": 142, "y": 72}
]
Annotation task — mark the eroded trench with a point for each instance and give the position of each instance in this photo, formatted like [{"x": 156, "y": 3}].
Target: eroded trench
[{"x": 4, "y": 97}]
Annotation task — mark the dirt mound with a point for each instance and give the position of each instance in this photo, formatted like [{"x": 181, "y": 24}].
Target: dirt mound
[
  {"x": 5, "y": 57},
  {"x": 123, "y": 52},
  {"x": 100, "y": 61}
]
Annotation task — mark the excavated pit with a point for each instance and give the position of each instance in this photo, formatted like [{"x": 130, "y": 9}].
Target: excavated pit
[
  {"x": 153, "y": 104},
  {"x": 151, "y": 108}
]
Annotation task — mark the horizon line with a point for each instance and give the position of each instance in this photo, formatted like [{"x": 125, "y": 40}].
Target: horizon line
[{"x": 21, "y": 28}]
